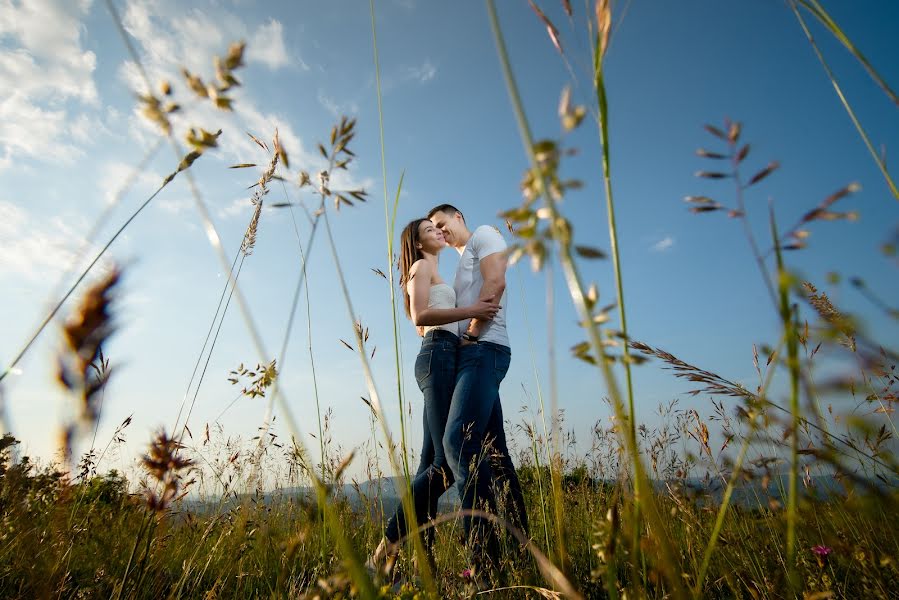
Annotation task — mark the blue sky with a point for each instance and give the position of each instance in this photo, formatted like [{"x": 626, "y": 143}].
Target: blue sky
[{"x": 70, "y": 133}]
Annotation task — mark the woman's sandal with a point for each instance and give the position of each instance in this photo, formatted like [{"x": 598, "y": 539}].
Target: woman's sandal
[{"x": 381, "y": 563}]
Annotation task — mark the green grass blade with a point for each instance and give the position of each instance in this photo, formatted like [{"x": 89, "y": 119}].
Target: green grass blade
[
  {"x": 788, "y": 321},
  {"x": 814, "y": 7},
  {"x": 894, "y": 190},
  {"x": 390, "y": 224},
  {"x": 603, "y": 107},
  {"x": 669, "y": 563}
]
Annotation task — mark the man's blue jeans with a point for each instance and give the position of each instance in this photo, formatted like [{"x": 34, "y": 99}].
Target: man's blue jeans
[
  {"x": 435, "y": 372},
  {"x": 475, "y": 443}
]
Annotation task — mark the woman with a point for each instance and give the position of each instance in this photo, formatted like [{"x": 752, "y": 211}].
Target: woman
[{"x": 430, "y": 302}]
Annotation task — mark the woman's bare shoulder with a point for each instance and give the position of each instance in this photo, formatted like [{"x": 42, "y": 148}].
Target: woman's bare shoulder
[{"x": 420, "y": 267}]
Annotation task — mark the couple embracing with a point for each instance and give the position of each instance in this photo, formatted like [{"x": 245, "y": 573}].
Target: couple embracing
[{"x": 463, "y": 359}]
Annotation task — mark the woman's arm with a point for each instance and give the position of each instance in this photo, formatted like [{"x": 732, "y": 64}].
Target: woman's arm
[{"x": 419, "y": 288}]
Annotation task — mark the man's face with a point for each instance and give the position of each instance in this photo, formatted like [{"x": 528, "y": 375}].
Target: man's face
[{"x": 450, "y": 224}]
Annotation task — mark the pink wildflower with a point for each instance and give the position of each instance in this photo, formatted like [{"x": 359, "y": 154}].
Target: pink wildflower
[{"x": 821, "y": 550}]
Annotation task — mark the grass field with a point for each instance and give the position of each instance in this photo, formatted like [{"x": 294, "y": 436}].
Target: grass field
[{"x": 767, "y": 496}]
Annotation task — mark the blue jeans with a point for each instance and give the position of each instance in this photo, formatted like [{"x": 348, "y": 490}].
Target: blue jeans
[
  {"x": 435, "y": 372},
  {"x": 475, "y": 444}
]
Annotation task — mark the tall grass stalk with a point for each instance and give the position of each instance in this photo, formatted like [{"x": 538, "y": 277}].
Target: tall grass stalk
[
  {"x": 542, "y": 409},
  {"x": 814, "y": 7},
  {"x": 376, "y": 405},
  {"x": 318, "y": 408},
  {"x": 209, "y": 228},
  {"x": 146, "y": 524},
  {"x": 246, "y": 245},
  {"x": 791, "y": 333},
  {"x": 555, "y": 458},
  {"x": 669, "y": 564},
  {"x": 353, "y": 563},
  {"x": 303, "y": 281},
  {"x": 390, "y": 227},
  {"x": 600, "y": 45},
  {"x": 215, "y": 319},
  {"x": 736, "y": 476},
  {"x": 878, "y": 160}
]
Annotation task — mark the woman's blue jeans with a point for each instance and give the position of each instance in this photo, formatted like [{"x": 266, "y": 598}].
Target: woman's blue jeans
[{"x": 435, "y": 372}]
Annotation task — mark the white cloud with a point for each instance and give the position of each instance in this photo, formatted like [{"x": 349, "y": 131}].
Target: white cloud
[
  {"x": 116, "y": 174},
  {"x": 337, "y": 109},
  {"x": 423, "y": 73},
  {"x": 169, "y": 34},
  {"x": 176, "y": 205},
  {"x": 267, "y": 46},
  {"x": 237, "y": 207},
  {"x": 420, "y": 74},
  {"x": 663, "y": 245},
  {"x": 85, "y": 128},
  {"x": 28, "y": 130},
  {"x": 49, "y": 77},
  {"x": 34, "y": 248},
  {"x": 42, "y": 59},
  {"x": 341, "y": 180}
]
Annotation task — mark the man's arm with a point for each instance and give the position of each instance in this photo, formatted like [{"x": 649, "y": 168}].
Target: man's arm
[{"x": 493, "y": 272}]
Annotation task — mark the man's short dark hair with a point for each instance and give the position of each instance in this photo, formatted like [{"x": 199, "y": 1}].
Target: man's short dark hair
[{"x": 445, "y": 208}]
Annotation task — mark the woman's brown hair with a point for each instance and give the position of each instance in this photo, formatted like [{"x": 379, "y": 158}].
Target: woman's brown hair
[{"x": 409, "y": 253}]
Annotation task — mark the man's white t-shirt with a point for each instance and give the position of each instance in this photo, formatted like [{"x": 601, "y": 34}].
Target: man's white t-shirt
[{"x": 485, "y": 240}]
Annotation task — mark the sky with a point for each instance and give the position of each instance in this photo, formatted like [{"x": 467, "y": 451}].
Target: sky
[{"x": 71, "y": 134}]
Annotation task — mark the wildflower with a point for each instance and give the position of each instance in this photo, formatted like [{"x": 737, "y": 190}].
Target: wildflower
[
  {"x": 466, "y": 573},
  {"x": 821, "y": 553}
]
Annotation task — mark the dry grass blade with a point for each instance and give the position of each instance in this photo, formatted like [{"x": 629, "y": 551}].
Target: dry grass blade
[
  {"x": 603, "y": 11},
  {"x": 703, "y": 153},
  {"x": 550, "y": 28},
  {"x": 249, "y": 240},
  {"x": 713, "y": 384},
  {"x": 712, "y": 175},
  {"x": 772, "y": 166},
  {"x": 82, "y": 368},
  {"x": 715, "y": 131},
  {"x": 830, "y": 315}
]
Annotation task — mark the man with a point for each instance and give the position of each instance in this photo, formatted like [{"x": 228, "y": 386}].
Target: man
[{"x": 475, "y": 441}]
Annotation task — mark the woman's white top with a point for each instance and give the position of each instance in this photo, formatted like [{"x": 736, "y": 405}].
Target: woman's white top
[{"x": 442, "y": 295}]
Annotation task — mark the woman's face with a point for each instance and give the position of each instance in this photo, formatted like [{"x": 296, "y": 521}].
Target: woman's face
[{"x": 430, "y": 238}]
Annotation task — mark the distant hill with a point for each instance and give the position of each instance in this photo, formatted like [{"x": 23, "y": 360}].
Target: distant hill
[{"x": 375, "y": 494}]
